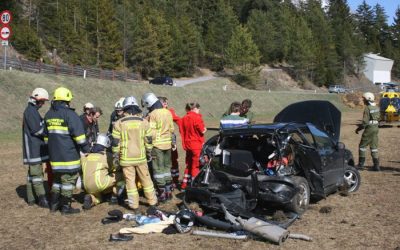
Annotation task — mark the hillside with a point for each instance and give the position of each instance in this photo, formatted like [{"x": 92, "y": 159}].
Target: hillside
[{"x": 15, "y": 88}]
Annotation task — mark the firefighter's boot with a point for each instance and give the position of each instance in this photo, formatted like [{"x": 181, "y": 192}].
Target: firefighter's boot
[
  {"x": 66, "y": 206},
  {"x": 376, "y": 166},
  {"x": 43, "y": 202},
  {"x": 54, "y": 202},
  {"x": 361, "y": 162}
]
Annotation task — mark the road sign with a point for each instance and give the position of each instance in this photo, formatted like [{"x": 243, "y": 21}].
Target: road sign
[
  {"x": 4, "y": 42},
  {"x": 5, "y": 33},
  {"x": 5, "y": 17}
]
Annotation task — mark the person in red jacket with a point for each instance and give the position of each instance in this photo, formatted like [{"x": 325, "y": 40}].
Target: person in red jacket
[
  {"x": 192, "y": 133},
  {"x": 174, "y": 153}
]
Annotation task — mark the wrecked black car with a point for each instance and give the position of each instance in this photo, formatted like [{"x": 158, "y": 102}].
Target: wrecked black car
[{"x": 275, "y": 166}]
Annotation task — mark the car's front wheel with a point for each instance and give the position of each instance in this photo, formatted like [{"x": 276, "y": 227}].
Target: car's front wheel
[
  {"x": 301, "y": 200},
  {"x": 352, "y": 178}
]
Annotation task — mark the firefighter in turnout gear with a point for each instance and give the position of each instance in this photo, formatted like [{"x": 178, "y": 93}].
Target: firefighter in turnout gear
[
  {"x": 162, "y": 130},
  {"x": 131, "y": 145},
  {"x": 369, "y": 137},
  {"x": 174, "y": 152},
  {"x": 99, "y": 174},
  {"x": 34, "y": 147},
  {"x": 66, "y": 137}
]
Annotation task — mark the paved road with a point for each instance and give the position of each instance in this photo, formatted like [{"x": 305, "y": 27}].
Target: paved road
[{"x": 181, "y": 83}]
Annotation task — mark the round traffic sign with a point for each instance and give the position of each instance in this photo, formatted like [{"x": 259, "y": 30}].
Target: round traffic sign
[
  {"x": 5, "y": 32},
  {"x": 5, "y": 17}
]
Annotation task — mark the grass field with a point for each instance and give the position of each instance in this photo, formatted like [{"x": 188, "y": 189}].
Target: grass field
[{"x": 16, "y": 86}]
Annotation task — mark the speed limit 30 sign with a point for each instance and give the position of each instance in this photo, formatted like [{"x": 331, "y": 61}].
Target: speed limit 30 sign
[{"x": 5, "y": 17}]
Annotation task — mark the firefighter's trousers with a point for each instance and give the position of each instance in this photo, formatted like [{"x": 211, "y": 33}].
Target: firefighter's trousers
[
  {"x": 64, "y": 183},
  {"x": 34, "y": 182},
  {"x": 141, "y": 172},
  {"x": 161, "y": 160},
  {"x": 369, "y": 138}
]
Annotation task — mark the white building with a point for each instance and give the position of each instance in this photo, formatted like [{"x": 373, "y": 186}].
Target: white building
[{"x": 377, "y": 69}]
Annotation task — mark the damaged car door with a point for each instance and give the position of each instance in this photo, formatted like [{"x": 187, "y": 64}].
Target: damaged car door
[{"x": 332, "y": 158}]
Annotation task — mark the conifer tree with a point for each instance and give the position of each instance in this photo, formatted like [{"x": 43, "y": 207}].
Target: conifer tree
[
  {"x": 326, "y": 69},
  {"x": 145, "y": 54}
]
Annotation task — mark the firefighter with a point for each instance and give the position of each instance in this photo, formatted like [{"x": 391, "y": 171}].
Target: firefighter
[
  {"x": 369, "y": 137},
  {"x": 116, "y": 114},
  {"x": 193, "y": 130},
  {"x": 131, "y": 144},
  {"x": 162, "y": 128},
  {"x": 34, "y": 147},
  {"x": 99, "y": 174},
  {"x": 174, "y": 152},
  {"x": 66, "y": 137}
]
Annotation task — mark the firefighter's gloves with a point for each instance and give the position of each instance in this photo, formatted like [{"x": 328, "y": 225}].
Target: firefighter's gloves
[
  {"x": 358, "y": 129},
  {"x": 148, "y": 156},
  {"x": 116, "y": 161}
]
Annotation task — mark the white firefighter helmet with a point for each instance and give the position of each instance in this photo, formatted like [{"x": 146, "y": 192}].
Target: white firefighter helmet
[
  {"x": 88, "y": 105},
  {"x": 119, "y": 104},
  {"x": 40, "y": 94},
  {"x": 104, "y": 140},
  {"x": 130, "y": 101},
  {"x": 149, "y": 99},
  {"x": 369, "y": 96}
]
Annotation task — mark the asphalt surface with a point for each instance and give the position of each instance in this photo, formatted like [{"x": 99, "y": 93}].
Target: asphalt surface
[{"x": 183, "y": 82}]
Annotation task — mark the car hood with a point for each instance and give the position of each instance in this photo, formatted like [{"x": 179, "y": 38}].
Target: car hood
[{"x": 322, "y": 114}]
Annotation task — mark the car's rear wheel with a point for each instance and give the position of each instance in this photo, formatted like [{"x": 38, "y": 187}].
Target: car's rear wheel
[
  {"x": 352, "y": 178},
  {"x": 301, "y": 200}
]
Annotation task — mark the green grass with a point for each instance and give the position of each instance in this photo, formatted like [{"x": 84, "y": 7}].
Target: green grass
[{"x": 16, "y": 86}]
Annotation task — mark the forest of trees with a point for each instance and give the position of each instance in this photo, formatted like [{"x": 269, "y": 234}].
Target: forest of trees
[{"x": 173, "y": 37}]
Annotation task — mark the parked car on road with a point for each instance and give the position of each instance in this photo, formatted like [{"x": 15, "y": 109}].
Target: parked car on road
[
  {"x": 162, "y": 80},
  {"x": 337, "y": 89},
  {"x": 280, "y": 165}
]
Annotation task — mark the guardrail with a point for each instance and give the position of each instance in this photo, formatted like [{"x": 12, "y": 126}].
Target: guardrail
[{"x": 15, "y": 63}]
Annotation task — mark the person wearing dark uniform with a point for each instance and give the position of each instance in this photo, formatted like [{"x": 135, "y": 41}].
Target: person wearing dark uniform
[
  {"x": 66, "y": 137},
  {"x": 369, "y": 137},
  {"x": 116, "y": 114},
  {"x": 34, "y": 147}
]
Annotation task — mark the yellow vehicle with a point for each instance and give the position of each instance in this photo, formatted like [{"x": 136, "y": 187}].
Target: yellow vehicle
[{"x": 390, "y": 106}]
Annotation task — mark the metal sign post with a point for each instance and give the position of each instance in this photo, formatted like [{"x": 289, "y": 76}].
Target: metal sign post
[
  {"x": 5, "y": 32},
  {"x": 5, "y": 57}
]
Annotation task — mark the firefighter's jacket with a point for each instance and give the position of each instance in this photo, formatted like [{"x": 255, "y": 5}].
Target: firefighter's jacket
[
  {"x": 162, "y": 128},
  {"x": 65, "y": 137},
  {"x": 131, "y": 140},
  {"x": 97, "y": 172},
  {"x": 371, "y": 117},
  {"x": 34, "y": 147}
]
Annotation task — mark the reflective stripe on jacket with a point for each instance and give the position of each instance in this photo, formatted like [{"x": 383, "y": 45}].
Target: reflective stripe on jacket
[
  {"x": 131, "y": 139},
  {"x": 34, "y": 146},
  {"x": 96, "y": 172},
  {"x": 371, "y": 116},
  {"x": 66, "y": 136},
  {"x": 162, "y": 128}
]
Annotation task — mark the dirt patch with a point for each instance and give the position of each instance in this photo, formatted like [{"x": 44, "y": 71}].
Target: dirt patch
[{"x": 367, "y": 219}]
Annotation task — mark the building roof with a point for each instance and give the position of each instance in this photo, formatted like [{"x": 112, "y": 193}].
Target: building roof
[{"x": 376, "y": 57}]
